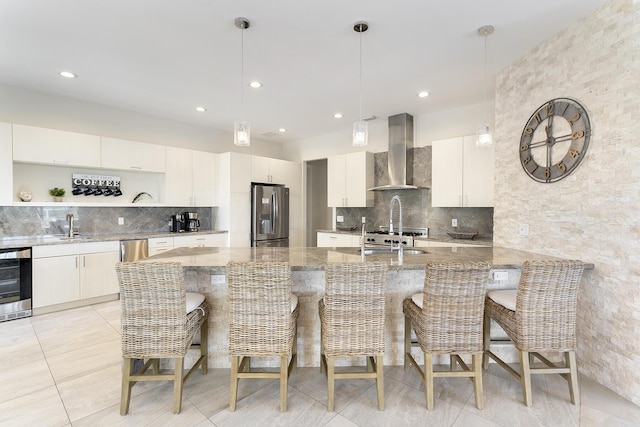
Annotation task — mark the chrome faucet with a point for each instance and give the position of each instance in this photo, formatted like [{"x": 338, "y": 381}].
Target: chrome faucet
[
  {"x": 362, "y": 254},
  {"x": 70, "y": 219},
  {"x": 400, "y": 246}
]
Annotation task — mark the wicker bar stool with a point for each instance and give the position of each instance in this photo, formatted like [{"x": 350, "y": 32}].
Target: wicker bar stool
[
  {"x": 540, "y": 316},
  {"x": 263, "y": 315},
  {"x": 159, "y": 320},
  {"x": 352, "y": 314},
  {"x": 447, "y": 319}
]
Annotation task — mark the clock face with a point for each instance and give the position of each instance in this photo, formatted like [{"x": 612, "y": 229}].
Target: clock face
[{"x": 554, "y": 140}]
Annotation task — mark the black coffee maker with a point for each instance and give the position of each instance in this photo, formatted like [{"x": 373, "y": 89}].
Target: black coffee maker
[
  {"x": 191, "y": 221},
  {"x": 177, "y": 223}
]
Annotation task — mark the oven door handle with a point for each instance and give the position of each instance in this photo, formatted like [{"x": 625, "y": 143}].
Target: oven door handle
[{"x": 16, "y": 254}]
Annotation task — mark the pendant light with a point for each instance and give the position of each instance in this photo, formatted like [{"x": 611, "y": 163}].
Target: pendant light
[
  {"x": 484, "y": 138},
  {"x": 360, "y": 127},
  {"x": 241, "y": 128}
]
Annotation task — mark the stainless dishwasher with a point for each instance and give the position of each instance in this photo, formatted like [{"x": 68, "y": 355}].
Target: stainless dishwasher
[{"x": 134, "y": 249}]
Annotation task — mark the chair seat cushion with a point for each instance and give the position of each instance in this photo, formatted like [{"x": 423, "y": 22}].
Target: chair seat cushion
[
  {"x": 506, "y": 298},
  {"x": 194, "y": 299},
  {"x": 294, "y": 302},
  {"x": 417, "y": 299}
]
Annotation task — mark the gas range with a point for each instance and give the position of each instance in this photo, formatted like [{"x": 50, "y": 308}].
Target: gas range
[{"x": 381, "y": 237}]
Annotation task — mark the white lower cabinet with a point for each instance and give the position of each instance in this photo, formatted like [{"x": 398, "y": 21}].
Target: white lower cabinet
[
  {"x": 337, "y": 240},
  {"x": 158, "y": 245},
  {"x": 72, "y": 272}
]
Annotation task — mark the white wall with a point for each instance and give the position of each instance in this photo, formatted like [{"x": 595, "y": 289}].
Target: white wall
[
  {"x": 57, "y": 112},
  {"x": 593, "y": 213},
  {"x": 427, "y": 128}
]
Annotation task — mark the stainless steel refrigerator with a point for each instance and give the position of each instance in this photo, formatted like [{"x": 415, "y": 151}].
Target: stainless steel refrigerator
[{"x": 269, "y": 215}]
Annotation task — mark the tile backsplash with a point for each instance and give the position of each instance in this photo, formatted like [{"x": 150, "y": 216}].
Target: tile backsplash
[
  {"x": 416, "y": 204},
  {"x": 23, "y": 221}
]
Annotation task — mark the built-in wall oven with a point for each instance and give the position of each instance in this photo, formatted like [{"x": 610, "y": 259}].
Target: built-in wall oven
[{"x": 15, "y": 283}]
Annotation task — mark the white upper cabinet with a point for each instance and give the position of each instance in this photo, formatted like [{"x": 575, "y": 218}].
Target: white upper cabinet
[
  {"x": 274, "y": 171},
  {"x": 349, "y": 176},
  {"x": 462, "y": 173},
  {"x": 49, "y": 146},
  {"x": 190, "y": 177},
  {"x": 132, "y": 155}
]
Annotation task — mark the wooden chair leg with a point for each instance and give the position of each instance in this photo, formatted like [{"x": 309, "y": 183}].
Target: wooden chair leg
[
  {"x": 486, "y": 339},
  {"x": 428, "y": 379},
  {"x": 330, "y": 383},
  {"x": 233, "y": 394},
  {"x": 177, "y": 385},
  {"x": 477, "y": 380},
  {"x": 204, "y": 345},
  {"x": 322, "y": 358},
  {"x": 294, "y": 350},
  {"x": 125, "y": 397},
  {"x": 380, "y": 381},
  {"x": 369, "y": 360},
  {"x": 407, "y": 342},
  {"x": 156, "y": 366},
  {"x": 284, "y": 369},
  {"x": 574, "y": 390},
  {"x": 525, "y": 377}
]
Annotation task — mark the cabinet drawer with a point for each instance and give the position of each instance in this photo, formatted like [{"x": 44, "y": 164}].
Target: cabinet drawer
[
  {"x": 160, "y": 242},
  {"x": 97, "y": 247},
  {"x": 54, "y": 250}
]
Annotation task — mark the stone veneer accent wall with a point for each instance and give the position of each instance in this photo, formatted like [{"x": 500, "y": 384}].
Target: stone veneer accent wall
[{"x": 593, "y": 213}]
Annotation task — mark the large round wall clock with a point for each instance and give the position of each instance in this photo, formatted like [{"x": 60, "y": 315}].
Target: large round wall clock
[{"x": 555, "y": 140}]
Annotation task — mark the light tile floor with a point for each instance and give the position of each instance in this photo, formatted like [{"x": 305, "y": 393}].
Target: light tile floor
[{"x": 63, "y": 369}]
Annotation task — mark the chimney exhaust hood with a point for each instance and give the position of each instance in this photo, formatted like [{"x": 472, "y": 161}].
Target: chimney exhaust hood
[{"x": 400, "y": 161}]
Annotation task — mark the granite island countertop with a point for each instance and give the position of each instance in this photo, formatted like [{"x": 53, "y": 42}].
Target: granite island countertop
[{"x": 214, "y": 260}]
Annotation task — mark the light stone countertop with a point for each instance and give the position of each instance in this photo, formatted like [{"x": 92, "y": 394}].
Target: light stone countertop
[
  {"x": 21, "y": 242},
  {"x": 214, "y": 260}
]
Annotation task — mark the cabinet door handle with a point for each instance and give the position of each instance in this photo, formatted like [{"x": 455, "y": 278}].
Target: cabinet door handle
[
  {"x": 135, "y": 167},
  {"x": 76, "y": 262},
  {"x": 84, "y": 261},
  {"x": 466, "y": 200},
  {"x": 459, "y": 200}
]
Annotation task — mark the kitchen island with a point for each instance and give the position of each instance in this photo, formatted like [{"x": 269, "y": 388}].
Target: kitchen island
[{"x": 205, "y": 273}]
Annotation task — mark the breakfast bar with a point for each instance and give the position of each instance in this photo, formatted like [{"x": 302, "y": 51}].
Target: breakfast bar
[{"x": 205, "y": 273}]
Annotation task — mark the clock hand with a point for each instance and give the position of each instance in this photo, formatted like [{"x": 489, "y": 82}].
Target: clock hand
[
  {"x": 537, "y": 144},
  {"x": 564, "y": 138}
]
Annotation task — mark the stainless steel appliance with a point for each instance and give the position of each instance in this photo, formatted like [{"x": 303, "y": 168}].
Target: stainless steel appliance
[
  {"x": 191, "y": 221},
  {"x": 134, "y": 249},
  {"x": 269, "y": 215},
  {"x": 381, "y": 237},
  {"x": 15, "y": 283},
  {"x": 177, "y": 223}
]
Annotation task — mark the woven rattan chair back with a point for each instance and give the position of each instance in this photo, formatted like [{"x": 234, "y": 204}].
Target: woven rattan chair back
[
  {"x": 453, "y": 307},
  {"x": 354, "y": 309},
  {"x": 546, "y": 305},
  {"x": 259, "y": 296},
  {"x": 153, "y": 303}
]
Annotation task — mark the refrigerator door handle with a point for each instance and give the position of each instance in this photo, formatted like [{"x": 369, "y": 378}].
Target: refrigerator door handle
[{"x": 274, "y": 207}]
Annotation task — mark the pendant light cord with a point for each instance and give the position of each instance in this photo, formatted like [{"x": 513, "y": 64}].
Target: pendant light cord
[
  {"x": 242, "y": 72},
  {"x": 360, "y": 116},
  {"x": 484, "y": 108}
]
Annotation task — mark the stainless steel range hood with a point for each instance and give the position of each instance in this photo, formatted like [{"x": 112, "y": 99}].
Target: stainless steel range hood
[{"x": 400, "y": 157}]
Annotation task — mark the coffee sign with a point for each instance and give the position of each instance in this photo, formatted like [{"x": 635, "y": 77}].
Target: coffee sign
[{"x": 97, "y": 185}]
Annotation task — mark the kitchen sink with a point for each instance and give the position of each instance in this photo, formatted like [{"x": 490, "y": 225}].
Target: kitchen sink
[
  {"x": 379, "y": 251},
  {"x": 74, "y": 238}
]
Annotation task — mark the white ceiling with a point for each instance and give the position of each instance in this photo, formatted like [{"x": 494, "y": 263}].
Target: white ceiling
[{"x": 165, "y": 57}]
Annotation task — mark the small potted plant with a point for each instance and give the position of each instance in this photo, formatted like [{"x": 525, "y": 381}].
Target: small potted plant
[{"x": 57, "y": 193}]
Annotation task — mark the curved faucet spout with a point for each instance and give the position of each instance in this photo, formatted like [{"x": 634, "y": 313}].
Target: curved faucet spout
[{"x": 395, "y": 199}]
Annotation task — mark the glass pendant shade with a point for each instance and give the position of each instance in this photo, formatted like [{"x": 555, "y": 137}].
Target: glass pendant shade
[
  {"x": 360, "y": 134},
  {"x": 242, "y": 133},
  {"x": 484, "y": 138}
]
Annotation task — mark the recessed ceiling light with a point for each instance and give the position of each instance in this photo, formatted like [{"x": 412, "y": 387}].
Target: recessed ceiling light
[
  {"x": 423, "y": 94},
  {"x": 338, "y": 115},
  {"x": 68, "y": 74},
  {"x": 282, "y": 130},
  {"x": 201, "y": 109},
  {"x": 255, "y": 84}
]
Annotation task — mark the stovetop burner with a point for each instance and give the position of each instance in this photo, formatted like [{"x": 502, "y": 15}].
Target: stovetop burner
[{"x": 411, "y": 231}]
